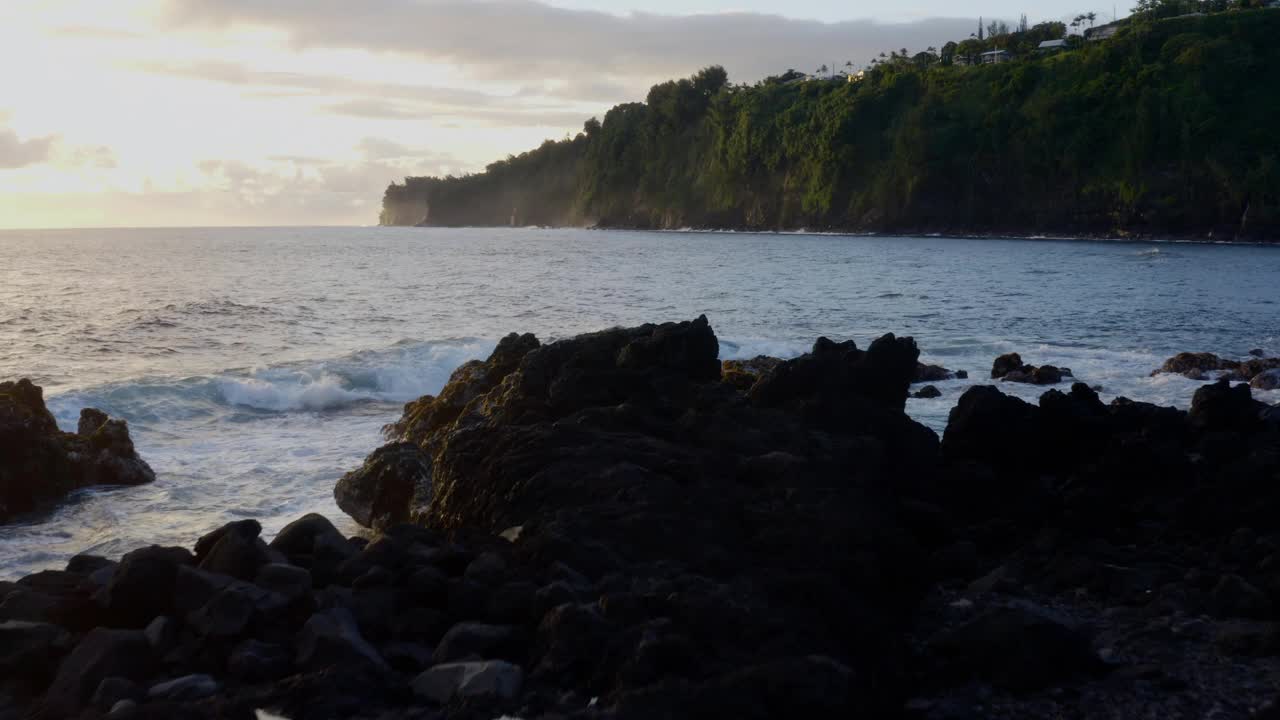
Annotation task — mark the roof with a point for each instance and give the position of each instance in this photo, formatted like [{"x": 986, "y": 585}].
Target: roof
[
  {"x": 1050, "y": 44},
  {"x": 995, "y": 52}
]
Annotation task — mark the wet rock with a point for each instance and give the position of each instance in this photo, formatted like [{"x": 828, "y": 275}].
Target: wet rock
[
  {"x": 102, "y": 653},
  {"x": 233, "y": 550},
  {"x": 391, "y": 486},
  {"x": 1222, "y": 407},
  {"x": 932, "y": 373},
  {"x": 142, "y": 587},
  {"x": 114, "y": 689},
  {"x": 42, "y": 464},
  {"x": 257, "y": 661},
  {"x": 29, "y": 653},
  {"x": 1010, "y": 368},
  {"x": 184, "y": 689},
  {"x": 1196, "y": 363},
  {"x": 742, "y": 374},
  {"x": 928, "y": 392},
  {"x": 487, "y": 569},
  {"x": 227, "y": 614},
  {"x": 311, "y": 536},
  {"x": 161, "y": 633},
  {"x": 495, "y": 678},
  {"x": 332, "y": 638},
  {"x": 123, "y": 710},
  {"x": 1248, "y": 639},
  {"x": 471, "y": 639},
  {"x": 1018, "y": 647},
  {"x": 1266, "y": 380},
  {"x": 88, "y": 564},
  {"x": 290, "y": 582},
  {"x": 1005, "y": 364},
  {"x": 1234, "y": 596}
]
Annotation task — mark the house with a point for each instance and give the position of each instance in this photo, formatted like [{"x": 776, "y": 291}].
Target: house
[
  {"x": 857, "y": 77},
  {"x": 1102, "y": 32},
  {"x": 995, "y": 57},
  {"x": 1052, "y": 46}
]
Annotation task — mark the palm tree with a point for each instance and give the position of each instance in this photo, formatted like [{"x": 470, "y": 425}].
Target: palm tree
[
  {"x": 1091, "y": 17},
  {"x": 822, "y": 70}
]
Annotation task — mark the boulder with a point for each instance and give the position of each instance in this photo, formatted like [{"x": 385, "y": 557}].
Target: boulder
[
  {"x": 102, "y": 653},
  {"x": 1017, "y": 647},
  {"x": 1223, "y": 407},
  {"x": 392, "y": 485},
  {"x": 42, "y": 464},
  {"x": 184, "y": 689},
  {"x": 142, "y": 587},
  {"x": 928, "y": 392},
  {"x": 257, "y": 661},
  {"x": 1266, "y": 380},
  {"x": 495, "y": 679},
  {"x": 234, "y": 550},
  {"x": 1235, "y": 597},
  {"x": 1010, "y": 368},
  {"x": 742, "y": 374},
  {"x": 1195, "y": 363},
  {"x": 933, "y": 373},
  {"x": 29, "y": 653},
  {"x": 470, "y": 639},
  {"x": 331, "y": 638},
  {"x": 290, "y": 582}
]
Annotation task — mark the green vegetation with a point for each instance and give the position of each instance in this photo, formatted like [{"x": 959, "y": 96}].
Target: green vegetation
[{"x": 1169, "y": 127}]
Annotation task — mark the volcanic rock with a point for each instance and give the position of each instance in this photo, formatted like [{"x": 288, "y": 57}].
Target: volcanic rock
[{"x": 41, "y": 464}]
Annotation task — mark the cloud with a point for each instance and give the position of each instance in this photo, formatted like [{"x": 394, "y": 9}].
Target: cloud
[
  {"x": 313, "y": 190},
  {"x": 16, "y": 153},
  {"x": 375, "y": 100},
  {"x": 526, "y": 41},
  {"x": 50, "y": 149}
]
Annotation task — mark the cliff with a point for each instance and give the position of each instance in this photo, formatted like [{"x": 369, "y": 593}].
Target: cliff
[{"x": 1166, "y": 128}]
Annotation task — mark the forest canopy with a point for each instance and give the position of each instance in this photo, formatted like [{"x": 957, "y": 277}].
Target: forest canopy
[{"x": 1166, "y": 127}]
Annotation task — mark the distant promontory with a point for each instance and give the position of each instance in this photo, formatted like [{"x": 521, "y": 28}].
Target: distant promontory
[{"x": 1151, "y": 127}]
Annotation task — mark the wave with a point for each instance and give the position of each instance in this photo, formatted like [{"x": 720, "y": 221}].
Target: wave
[{"x": 403, "y": 372}]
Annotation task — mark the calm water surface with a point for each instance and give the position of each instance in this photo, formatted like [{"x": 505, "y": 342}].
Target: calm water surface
[{"x": 255, "y": 366}]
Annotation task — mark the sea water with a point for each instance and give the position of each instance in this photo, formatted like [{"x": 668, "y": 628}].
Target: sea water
[{"x": 256, "y": 366}]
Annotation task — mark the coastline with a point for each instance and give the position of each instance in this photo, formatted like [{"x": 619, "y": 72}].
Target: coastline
[{"x": 1040, "y": 559}]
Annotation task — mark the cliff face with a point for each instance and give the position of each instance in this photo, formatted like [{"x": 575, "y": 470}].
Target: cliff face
[{"x": 1165, "y": 128}]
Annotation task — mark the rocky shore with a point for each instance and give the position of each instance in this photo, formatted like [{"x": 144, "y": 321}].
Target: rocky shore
[{"x": 619, "y": 526}]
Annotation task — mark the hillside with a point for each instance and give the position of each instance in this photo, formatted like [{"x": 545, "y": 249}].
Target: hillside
[{"x": 1168, "y": 128}]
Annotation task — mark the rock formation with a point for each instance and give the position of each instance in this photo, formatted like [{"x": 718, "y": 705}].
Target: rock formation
[{"x": 41, "y": 464}]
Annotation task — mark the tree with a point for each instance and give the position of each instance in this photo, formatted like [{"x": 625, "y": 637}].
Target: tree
[{"x": 1023, "y": 26}]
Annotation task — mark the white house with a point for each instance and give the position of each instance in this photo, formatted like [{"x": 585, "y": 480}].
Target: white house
[
  {"x": 995, "y": 57},
  {"x": 1049, "y": 46}
]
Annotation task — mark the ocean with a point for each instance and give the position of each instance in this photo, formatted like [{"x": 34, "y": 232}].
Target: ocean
[{"x": 255, "y": 366}]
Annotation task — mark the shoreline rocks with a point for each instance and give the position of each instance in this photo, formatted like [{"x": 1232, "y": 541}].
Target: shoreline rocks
[
  {"x": 1200, "y": 366},
  {"x": 1010, "y": 368},
  {"x": 41, "y": 464},
  {"x": 618, "y": 525}
]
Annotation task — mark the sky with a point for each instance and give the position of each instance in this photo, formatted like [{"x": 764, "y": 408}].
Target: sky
[{"x": 135, "y": 113}]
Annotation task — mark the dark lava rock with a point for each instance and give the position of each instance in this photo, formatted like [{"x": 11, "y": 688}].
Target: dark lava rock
[
  {"x": 143, "y": 585},
  {"x": 743, "y": 374},
  {"x": 1234, "y": 596},
  {"x": 393, "y": 484},
  {"x": 290, "y": 582},
  {"x": 1020, "y": 648},
  {"x": 466, "y": 640},
  {"x": 234, "y": 550},
  {"x": 494, "y": 679},
  {"x": 928, "y": 392},
  {"x": 1196, "y": 363},
  {"x": 185, "y": 688},
  {"x": 331, "y": 638},
  {"x": 1010, "y": 368},
  {"x": 257, "y": 661},
  {"x": 112, "y": 690},
  {"x": 1266, "y": 380},
  {"x": 29, "y": 653},
  {"x": 101, "y": 654},
  {"x": 932, "y": 373},
  {"x": 41, "y": 464},
  {"x": 1221, "y": 406}
]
